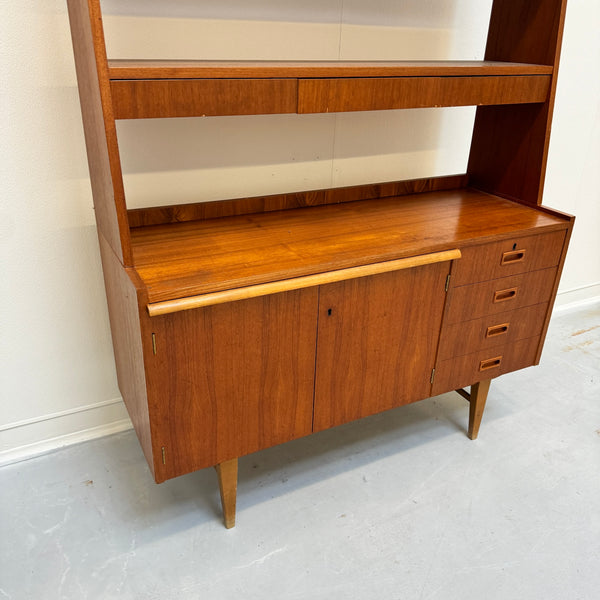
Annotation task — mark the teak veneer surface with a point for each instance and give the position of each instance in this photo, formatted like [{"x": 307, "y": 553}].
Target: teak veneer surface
[
  {"x": 199, "y": 69},
  {"x": 198, "y": 257},
  {"x": 154, "y": 89}
]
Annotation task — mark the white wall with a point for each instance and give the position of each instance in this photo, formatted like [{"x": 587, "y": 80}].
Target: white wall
[{"x": 58, "y": 381}]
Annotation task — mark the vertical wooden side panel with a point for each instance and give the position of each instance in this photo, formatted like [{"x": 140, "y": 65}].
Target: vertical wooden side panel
[
  {"x": 510, "y": 143},
  {"x": 377, "y": 342},
  {"x": 99, "y": 126},
  {"x": 231, "y": 379},
  {"x": 559, "y": 270},
  {"x": 124, "y": 299},
  {"x": 528, "y": 31}
]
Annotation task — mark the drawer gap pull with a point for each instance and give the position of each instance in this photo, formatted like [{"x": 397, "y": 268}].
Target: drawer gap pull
[
  {"x": 502, "y": 295},
  {"x": 514, "y": 256},
  {"x": 495, "y": 330},
  {"x": 490, "y": 363}
]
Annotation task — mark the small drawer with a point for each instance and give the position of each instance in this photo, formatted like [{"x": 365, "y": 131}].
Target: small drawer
[
  {"x": 470, "y": 302},
  {"x": 485, "y": 364},
  {"x": 492, "y": 331},
  {"x": 508, "y": 257}
]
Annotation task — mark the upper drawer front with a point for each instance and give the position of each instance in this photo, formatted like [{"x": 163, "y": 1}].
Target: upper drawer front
[
  {"x": 499, "y": 295},
  {"x": 384, "y": 93},
  {"x": 492, "y": 331},
  {"x": 508, "y": 257},
  {"x": 142, "y": 99}
]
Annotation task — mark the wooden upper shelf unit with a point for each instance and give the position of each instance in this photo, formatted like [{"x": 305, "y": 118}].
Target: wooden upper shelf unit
[{"x": 152, "y": 89}]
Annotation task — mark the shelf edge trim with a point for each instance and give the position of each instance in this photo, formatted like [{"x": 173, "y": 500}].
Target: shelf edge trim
[{"x": 265, "y": 289}]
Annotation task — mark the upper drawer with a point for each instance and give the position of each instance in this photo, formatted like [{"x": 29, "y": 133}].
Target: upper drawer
[
  {"x": 384, "y": 93},
  {"x": 159, "y": 98},
  {"x": 508, "y": 257},
  {"x": 499, "y": 295}
]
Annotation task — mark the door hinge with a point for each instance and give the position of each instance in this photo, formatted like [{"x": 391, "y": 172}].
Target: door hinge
[
  {"x": 448, "y": 282},
  {"x": 154, "y": 343},
  {"x": 432, "y": 376},
  {"x": 164, "y": 456}
]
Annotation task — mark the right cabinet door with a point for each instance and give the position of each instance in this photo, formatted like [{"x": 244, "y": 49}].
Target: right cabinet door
[{"x": 376, "y": 342}]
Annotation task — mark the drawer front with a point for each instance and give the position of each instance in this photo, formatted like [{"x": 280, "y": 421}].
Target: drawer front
[
  {"x": 508, "y": 257},
  {"x": 137, "y": 99},
  {"x": 466, "y": 370},
  {"x": 382, "y": 93},
  {"x": 492, "y": 331},
  {"x": 500, "y": 295}
]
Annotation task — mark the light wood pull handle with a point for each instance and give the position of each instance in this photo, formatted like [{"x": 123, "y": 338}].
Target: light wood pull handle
[
  {"x": 490, "y": 363},
  {"x": 495, "y": 330},
  {"x": 514, "y": 256},
  {"x": 297, "y": 283},
  {"x": 503, "y": 295}
]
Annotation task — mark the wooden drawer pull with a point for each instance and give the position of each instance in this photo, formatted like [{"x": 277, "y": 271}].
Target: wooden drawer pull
[
  {"x": 490, "y": 363},
  {"x": 514, "y": 256},
  {"x": 495, "y": 330},
  {"x": 502, "y": 295}
]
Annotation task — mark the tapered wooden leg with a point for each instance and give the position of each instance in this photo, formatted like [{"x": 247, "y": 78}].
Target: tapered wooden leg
[
  {"x": 479, "y": 392},
  {"x": 227, "y": 473}
]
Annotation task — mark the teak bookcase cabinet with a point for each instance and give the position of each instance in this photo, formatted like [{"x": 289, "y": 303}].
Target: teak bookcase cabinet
[{"x": 245, "y": 323}]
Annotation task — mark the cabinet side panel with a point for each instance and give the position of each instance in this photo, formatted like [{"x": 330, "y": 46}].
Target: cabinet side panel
[
  {"x": 377, "y": 341},
  {"x": 508, "y": 151},
  {"x": 510, "y": 143},
  {"x": 123, "y": 311},
  {"x": 232, "y": 379},
  {"x": 99, "y": 126},
  {"x": 526, "y": 31}
]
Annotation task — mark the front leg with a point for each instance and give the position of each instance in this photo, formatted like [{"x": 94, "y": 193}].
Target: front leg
[
  {"x": 478, "y": 396},
  {"x": 227, "y": 473}
]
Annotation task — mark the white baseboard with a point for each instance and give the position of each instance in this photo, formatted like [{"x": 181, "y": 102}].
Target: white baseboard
[
  {"x": 581, "y": 297},
  {"x": 33, "y": 437}
]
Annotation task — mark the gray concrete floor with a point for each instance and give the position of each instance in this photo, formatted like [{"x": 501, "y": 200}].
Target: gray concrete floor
[{"x": 401, "y": 505}]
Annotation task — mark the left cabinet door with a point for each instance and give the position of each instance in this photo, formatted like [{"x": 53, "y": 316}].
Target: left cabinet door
[{"x": 231, "y": 379}]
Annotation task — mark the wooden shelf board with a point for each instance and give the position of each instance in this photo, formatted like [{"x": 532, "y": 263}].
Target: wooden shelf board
[
  {"x": 198, "y": 257},
  {"x": 209, "y": 69}
]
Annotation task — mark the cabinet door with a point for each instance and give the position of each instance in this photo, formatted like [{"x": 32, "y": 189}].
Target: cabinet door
[
  {"x": 377, "y": 340},
  {"x": 231, "y": 379}
]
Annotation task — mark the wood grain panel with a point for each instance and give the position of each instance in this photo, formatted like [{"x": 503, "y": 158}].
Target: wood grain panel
[
  {"x": 508, "y": 151},
  {"x": 340, "y": 95},
  {"x": 140, "y": 217},
  {"x": 469, "y": 369},
  {"x": 150, "y": 99},
  {"x": 99, "y": 125},
  {"x": 527, "y": 31},
  {"x": 508, "y": 257},
  {"x": 376, "y": 343},
  {"x": 510, "y": 145},
  {"x": 491, "y": 331},
  {"x": 124, "y": 298},
  {"x": 193, "y": 258},
  {"x": 232, "y": 379},
  {"x": 203, "y": 69},
  {"x": 473, "y": 301}
]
